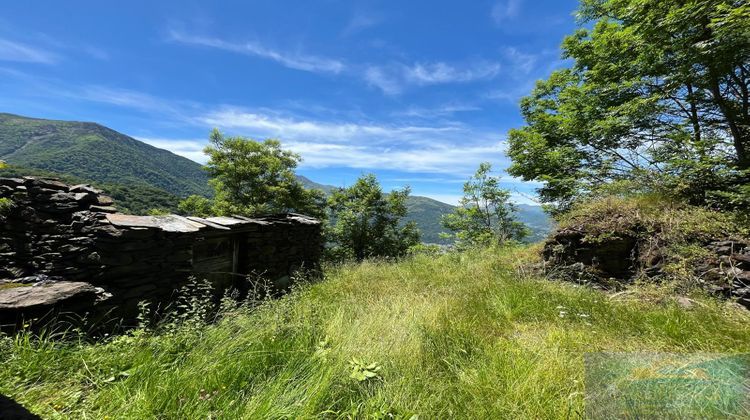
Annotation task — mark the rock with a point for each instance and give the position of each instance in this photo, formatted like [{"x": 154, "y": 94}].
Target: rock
[
  {"x": 684, "y": 302},
  {"x": 57, "y": 232},
  {"x": 84, "y": 188},
  {"x": 726, "y": 247},
  {"x": 12, "y": 182},
  {"x": 103, "y": 209},
  {"x": 104, "y": 200},
  {"x": 47, "y": 295},
  {"x": 83, "y": 197},
  {"x": 613, "y": 257}
]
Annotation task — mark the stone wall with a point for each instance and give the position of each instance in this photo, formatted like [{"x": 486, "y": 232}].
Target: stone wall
[
  {"x": 66, "y": 248},
  {"x": 619, "y": 259}
]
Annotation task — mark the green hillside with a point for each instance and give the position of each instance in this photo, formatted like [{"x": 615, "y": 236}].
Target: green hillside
[
  {"x": 93, "y": 152},
  {"x": 427, "y": 212}
]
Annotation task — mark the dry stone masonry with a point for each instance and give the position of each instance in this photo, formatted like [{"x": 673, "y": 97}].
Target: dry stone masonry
[
  {"x": 619, "y": 259},
  {"x": 65, "y": 248}
]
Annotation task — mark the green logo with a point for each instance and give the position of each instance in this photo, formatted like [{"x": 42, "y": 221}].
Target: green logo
[{"x": 667, "y": 386}]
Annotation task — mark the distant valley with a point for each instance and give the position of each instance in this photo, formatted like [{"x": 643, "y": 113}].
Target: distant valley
[{"x": 141, "y": 177}]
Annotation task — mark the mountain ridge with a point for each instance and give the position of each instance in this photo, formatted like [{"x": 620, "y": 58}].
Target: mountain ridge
[{"x": 92, "y": 151}]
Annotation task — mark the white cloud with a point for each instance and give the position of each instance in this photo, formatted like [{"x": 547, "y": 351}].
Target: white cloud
[
  {"x": 506, "y": 9},
  {"x": 439, "y": 111},
  {"x": 191, "y": 149},
  {"x": 15, "y": 51},
  {"x": 448, "y": 149},
  {"x": 443, "y": 158},
  {"x": 361, "y": 21},
  {"x": 436, "y": 73},
  {"x": 123, "y": 97},
  {"x": 276, "y": 125},
  {"x": 521, "y": 61},
  {"x": 293, "y": 60},
  {"x": 177, "y": 111},
  {"x": 393, "y": 79},
  {"x": 451, "y": 199},
  {"x": 377, "y": 77}
]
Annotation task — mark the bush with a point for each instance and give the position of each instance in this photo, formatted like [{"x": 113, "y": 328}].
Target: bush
[{"x": 5, "y": 205}]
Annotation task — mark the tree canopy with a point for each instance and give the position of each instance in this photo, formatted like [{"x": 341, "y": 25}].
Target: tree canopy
[
  {"x": 252, "y": 177},
  {"x": 658, "y": 96},
  {"x": 365, "y": 222}
]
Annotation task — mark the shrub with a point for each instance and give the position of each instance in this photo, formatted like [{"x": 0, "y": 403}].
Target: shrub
[{"x": 5, "y": 205}]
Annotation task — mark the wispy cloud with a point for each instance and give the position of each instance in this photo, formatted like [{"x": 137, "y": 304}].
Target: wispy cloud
[
  {"x": 16, "y": 51},
  {"x": 446, "y": 147},
  {"x": 276, "y": 125},
  {"x": 433, "y": 112},
  {"x": 522, "y": 61},
  {"x": 434, "y": 159},
  {"x": 393, "y": 79},
  {"x": 436, "y": 73},
  {"x": 361, "y": 21},
  {"x": 368, "y": 145},
  {"x": 379, "y": 78},
  {"x": 181, "y": 112},
  {"x": 294, "y": 60},
  {"x": 505, "y": 10},
  {"x": 96, "y": 52},
  {"x": 191, "y": 149}
]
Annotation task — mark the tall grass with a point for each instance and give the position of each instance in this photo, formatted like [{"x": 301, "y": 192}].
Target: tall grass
[{"x": 460, "y": 335}]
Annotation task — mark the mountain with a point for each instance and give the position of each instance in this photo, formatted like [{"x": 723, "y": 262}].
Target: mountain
[
  {"x": 539, "y": 222},
  {"x": 426, "y": 213},
  {"x": 312, "y": 185},
  {"x": 93, "y": 152}
]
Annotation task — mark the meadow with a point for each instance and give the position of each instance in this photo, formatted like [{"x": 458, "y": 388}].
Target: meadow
[{"x": 460, "y": 335}]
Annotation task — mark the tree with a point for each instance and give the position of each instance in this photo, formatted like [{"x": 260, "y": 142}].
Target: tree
[
  {"x": 659, "y": 92},
  {"x": 251, "y": 178},
  {"x": 484, "y": 215},
  {"x": 366, "y": 223},
  {"x": 196, "y": 205}
]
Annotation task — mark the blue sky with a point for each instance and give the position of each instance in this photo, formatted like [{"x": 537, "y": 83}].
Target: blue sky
[{"x": 417, "y": 92}]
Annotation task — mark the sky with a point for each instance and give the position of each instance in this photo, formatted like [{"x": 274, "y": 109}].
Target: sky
[{"x": 417, "y": 92}]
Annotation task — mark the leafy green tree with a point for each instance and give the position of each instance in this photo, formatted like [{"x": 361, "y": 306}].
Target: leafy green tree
[
  {"x": 196, "y": 205},
  {"x": 366, "y": 223},
  {"x": 484, "y": 215},
  {"x": 658, "y": 95},
  {"x": 251, "y": 177}
]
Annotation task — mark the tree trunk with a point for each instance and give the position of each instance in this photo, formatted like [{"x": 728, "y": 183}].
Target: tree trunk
[{"x": 740, "y": 135}]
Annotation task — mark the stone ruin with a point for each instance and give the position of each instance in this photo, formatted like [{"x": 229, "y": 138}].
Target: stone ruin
[
  {"x": 66, "y": 248},
  {"x": 620, "y": 259}
]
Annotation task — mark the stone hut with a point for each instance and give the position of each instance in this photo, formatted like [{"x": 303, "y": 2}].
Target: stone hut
[{"x": 65, "y": 248}]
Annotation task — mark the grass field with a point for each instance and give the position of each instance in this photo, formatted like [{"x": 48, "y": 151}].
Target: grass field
[{"x": 454, "y": 336}]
